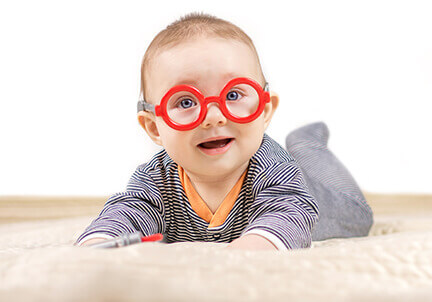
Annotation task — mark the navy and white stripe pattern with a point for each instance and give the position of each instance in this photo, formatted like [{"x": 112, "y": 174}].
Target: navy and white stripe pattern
[
  {"x": 273, "y": 200},
  {"x": 343, "y": 209}
]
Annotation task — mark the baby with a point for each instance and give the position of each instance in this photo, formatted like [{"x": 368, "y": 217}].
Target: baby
[{"x": 219, "y": 177}]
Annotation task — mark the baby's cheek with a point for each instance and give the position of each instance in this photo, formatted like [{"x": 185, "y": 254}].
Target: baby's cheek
[
  {"x": 167, "y": 134},
  {"x": 177, "y": 148}
]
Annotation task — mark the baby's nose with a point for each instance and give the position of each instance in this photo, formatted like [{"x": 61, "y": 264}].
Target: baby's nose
[{"x": 214, "y": 116}]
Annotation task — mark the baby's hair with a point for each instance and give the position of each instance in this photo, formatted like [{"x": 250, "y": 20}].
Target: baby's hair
[{"x": 190, "y": 26}]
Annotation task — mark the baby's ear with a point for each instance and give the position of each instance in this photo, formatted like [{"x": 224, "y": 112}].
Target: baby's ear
[
  {"x": 270, "y": 108},
  {"x": 147, "y": 121}
]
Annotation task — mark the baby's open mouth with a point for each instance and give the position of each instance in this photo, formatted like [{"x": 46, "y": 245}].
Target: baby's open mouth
[{"x": 216, "y": 143}]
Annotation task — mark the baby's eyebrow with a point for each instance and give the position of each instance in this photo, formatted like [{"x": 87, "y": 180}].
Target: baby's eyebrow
[{"x": 187, "y": 81}]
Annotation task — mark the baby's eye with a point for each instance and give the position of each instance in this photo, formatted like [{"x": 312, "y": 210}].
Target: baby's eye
[
  {"x": 186, "y": 103},
  {"x": 232, "y": 96}
]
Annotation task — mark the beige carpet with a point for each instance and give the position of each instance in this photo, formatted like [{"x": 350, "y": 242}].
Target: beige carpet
[{"x": 38, "y": 263}]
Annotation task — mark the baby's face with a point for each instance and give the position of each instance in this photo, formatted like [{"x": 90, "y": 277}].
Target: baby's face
[{"x": 206, "y": 63}]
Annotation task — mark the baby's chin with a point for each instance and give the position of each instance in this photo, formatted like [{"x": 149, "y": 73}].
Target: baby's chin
[{"x": 216, "y": 170}]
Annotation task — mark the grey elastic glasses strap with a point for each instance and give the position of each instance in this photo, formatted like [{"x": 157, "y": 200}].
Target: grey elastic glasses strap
[{"x": 144, "y": 106}]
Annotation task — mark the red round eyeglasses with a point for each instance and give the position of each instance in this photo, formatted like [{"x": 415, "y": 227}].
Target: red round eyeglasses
[{"x": 184, "y": 107}]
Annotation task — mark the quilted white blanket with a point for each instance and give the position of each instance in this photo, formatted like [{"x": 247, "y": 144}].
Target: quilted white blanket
[{"x": 39, "y": 263}]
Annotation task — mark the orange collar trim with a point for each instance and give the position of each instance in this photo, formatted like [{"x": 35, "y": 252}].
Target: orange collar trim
[{"x": 201, "y": 208}]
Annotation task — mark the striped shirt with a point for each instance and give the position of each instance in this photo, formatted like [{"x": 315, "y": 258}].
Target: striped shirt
[{"x": 273, "y": 202}]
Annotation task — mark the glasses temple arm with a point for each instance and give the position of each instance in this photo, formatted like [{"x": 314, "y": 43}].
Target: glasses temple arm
[{"x": 144, "y": 106}]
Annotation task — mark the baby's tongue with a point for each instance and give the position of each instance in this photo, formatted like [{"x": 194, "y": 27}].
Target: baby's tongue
[{"x": 215, "y": 144}]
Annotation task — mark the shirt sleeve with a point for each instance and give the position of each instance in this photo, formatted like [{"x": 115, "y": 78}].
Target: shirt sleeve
[
  {"x": 139, "y": 208},
  {"x": 283, "y": 210}
]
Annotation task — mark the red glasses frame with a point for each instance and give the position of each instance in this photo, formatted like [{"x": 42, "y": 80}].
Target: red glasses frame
[{"x": 161, "y": 110}]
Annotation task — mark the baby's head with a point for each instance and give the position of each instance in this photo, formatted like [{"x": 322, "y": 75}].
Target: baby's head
[{"x": 205, "y": 52}]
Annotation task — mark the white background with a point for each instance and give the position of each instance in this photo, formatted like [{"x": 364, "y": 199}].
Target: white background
[{"x": 69, "y": 82}]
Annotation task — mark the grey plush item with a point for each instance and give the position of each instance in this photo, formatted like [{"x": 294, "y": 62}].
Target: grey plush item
[{"x": 343, "y": 209}]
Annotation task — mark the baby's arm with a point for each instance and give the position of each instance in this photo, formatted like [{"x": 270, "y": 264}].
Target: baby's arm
[
  {"x": 139, "y": 208},
  {"x": 123, "y": 213},
  {"x": 283, "y": 212}
]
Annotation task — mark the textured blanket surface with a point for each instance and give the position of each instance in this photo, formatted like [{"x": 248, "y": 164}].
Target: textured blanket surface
[{"x": 39, "y": 263}]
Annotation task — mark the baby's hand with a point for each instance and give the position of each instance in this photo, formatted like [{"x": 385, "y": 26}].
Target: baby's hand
[
  {"x": 92, "y": 241},
  {"x": 251, "y": 242}
]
